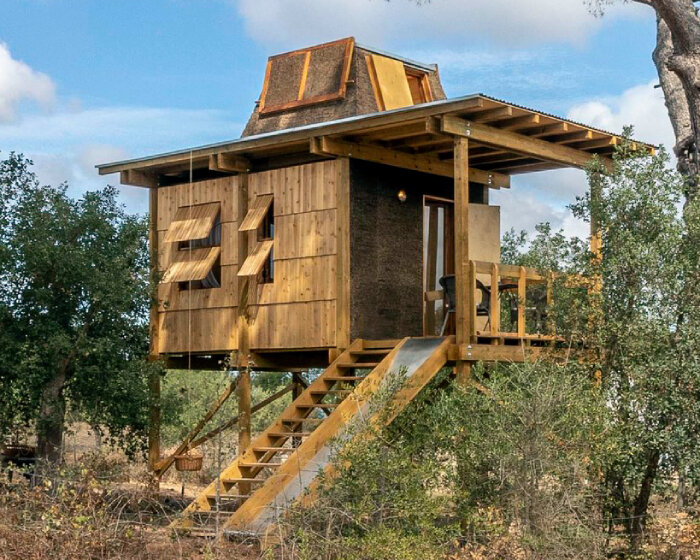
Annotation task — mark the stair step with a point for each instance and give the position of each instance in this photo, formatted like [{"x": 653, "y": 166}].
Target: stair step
[
  {"x": 274, "y": 449},
  {"x": 259, "y": 465},
  {"x": 373, "y": 352},
  {"x": 358, "y": 365},
  {"x": 242, "y": 481},
  {"x": 317, "y": 405},
  {"x": 302, "y": 420},
  {"x": 343, "y": 377},
  {"x": 331, "y": 392},
  {"x": 389, "y": 344},
  {"x": 288, "y": 434},
  {"x": 228, "y": 498}
]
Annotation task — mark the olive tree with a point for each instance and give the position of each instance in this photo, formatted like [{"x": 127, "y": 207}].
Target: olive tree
[{"x": 73, "y": 310}]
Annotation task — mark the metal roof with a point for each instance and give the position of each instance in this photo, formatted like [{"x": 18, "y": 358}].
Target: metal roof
[{"x": 355, "y": 125}]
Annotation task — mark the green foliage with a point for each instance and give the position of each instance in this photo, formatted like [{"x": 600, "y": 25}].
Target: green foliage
[
  {"x": 643, "y": 323},
  {"x": 74, "y": 309},
  {"x": 187, "y": 395},
  {"x": 647, "y": 326},
  {"x": 531, "y": 449}
]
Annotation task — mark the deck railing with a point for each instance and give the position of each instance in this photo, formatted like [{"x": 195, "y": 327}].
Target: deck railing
[{"x": 513, "y": 283}]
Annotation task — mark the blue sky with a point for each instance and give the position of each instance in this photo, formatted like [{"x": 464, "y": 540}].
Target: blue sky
[{"x": 90, "y": 81}]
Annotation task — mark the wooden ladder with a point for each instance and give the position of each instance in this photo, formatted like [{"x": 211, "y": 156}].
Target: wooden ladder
[{"x": 283, "y": 445}]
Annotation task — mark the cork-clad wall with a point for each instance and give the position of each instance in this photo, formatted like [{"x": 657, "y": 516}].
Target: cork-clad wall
[{"x": 386, "y": 249}]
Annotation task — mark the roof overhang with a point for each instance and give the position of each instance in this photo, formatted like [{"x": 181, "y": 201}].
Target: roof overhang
[{"x": 505, "y": 139}]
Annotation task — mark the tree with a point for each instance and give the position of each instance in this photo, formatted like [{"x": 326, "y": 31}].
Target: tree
[
  {"x": 646, "y": 322},
  {"x": 677, "y": 60},
  {"x": 648, "y": 329},
  {"x": 73, "y": 311}
]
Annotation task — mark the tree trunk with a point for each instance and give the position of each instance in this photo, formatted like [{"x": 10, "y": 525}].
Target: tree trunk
[
  {"x": 677, "y": 59},
  {"x": 52, "y": 414},
  {"x": 641, "y": 503}
]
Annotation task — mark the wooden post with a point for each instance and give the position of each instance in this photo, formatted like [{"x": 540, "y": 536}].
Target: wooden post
[
  {"x": 495, "y": 303},
  {"x": 244, "y": 409},
  {"x": 522, "y": 301},
  {"x": 154, "y": 347},
  {"x": 464, "y": 295},
  {"x": 242, "y": 326},
  {"x": 297, "y": 390},
  {"x": 342, "y": 321}
]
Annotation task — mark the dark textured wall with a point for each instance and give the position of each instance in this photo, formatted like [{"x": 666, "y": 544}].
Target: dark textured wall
[{"x": 386, "y": 249}]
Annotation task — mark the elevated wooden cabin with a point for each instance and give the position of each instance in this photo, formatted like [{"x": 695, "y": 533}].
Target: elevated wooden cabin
[
  {"x": 318, "y": 239},
  {"x": 348, "y": 196}
]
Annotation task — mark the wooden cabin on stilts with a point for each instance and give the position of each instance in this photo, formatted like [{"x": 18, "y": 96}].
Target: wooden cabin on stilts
[{"x": 348, "y": 229}]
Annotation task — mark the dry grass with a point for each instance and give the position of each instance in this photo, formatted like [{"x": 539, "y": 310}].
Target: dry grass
[{"x": 73, "y": 515}]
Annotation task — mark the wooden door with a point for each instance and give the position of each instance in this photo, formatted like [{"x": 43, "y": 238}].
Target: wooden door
[{"x": 438, "y": 261}]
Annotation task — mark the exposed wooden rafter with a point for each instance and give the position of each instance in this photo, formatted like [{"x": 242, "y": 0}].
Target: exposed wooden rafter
[
  {"x": 229, "y": 163},
  {"x": 423, "y": 163},
  {"x": 518, "y": 143},
  {"x": 138, "y": 178}
]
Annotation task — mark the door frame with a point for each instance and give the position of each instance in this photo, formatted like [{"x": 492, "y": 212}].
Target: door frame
[{"x": 448, "y": 246}]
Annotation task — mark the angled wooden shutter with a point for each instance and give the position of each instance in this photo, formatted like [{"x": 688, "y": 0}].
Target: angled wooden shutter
[
  {"x": 253, "y": 265},
  {"x": 193, "y": 222},
  {"x": 192, "y": 265},
  {"x": 256, "y": 213}
]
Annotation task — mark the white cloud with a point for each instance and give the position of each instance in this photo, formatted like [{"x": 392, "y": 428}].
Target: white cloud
[
  {"x": 641, "y": 106},
  {"x": 19, "y": 82},
  {"x": 523, "y": 210},
  {"x": 66, "y": 144},
  {"x": 282, "y": 23}
]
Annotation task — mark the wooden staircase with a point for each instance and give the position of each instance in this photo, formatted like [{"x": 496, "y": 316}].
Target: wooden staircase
[{"x": 285, "y": 459}]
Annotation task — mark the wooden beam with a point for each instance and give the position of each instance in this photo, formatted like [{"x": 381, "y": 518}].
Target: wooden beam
[
  {"x": 607, "y": 142},
  {"x": 491, "y": 115},
  {"x": 549, "y": 130},
  {"x": 423, "y": 163},
  {"x": 402, "y": 131},
  {"x": 137, "y": 178},
  {"x": 525, "y": 121},
  {"x": 369, "y": 124},
  {"x": 518, "y": 142},
  {"x": 244, "y": 409},
  {"x": 233, "y": 421},
  {"x": 229, "y": 163}
]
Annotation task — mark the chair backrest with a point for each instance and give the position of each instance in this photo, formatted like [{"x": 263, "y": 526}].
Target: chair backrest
[{"x": 449, "y": 287}]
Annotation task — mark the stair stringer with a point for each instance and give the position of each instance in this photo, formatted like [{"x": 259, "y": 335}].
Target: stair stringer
[
  {"x": 232, "y": 471},
  {"x": 421, "y": 359}
]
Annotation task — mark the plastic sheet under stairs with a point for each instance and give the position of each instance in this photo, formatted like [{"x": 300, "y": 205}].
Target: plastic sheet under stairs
[{"x": 282, "y": 462}]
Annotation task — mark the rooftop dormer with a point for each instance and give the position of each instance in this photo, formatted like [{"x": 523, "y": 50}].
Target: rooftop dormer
[{"x": 337, "y": 80}]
